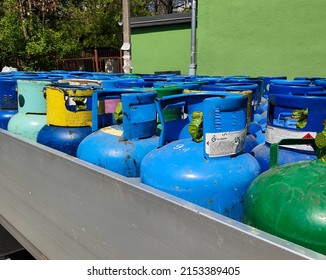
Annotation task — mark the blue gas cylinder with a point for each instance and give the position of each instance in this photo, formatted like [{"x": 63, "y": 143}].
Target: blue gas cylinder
[
  {"x": 311, "y": 79},
  {"x": 210, "y": 79},
  {"x": 185, "y": 85},
  {"x": 281, "y": 86},
  {"x": 8, "y": 100},
  {"x": 121, "y": 148},
  {"x": 5, "y": 116},
  {"x": 79, "y": 74},
  {"x": 132, "y": 83},
  {"x": 254, "y": 88},
  {"x": 258, "y": 81},
  {"x": 267, "y": 80},
  {"x": 31, "y": 115},
  {"x": 291, "y": 116},
  {"x": 210, "y": 168},
  {"x": 251, "y": 90},
  {"x": 162, "y": 78}
]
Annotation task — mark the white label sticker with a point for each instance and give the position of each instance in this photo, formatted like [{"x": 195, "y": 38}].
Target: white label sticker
[
  {"x": 112, "y": 131},
  {"x": 275, "y": 135},
  {"x": 225, "y": 143}
]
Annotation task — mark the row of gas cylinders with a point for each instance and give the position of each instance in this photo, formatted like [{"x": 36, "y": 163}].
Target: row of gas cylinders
[{"x": 206, "y": 139}]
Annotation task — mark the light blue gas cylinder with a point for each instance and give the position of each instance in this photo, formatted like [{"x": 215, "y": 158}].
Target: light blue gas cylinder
[
  {"x": 121, "y": 148},
  {"x": 31, "y": 116},
  {"x": 8, "y": 100},
  {"x": 292, "y": 116},
  {"x": 209, "y": 168}
]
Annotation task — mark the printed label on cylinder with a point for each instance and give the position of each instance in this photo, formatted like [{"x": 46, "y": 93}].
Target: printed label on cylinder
[
  {"x": 112, "y": 131},
  {"x": 225, "y": 143},
  {"x": 275, "y": 135}
]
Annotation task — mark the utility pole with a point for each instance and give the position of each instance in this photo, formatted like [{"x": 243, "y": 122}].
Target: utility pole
[
  {"x": 126, "y": 47},
  {"x": 193, "y": 65}
]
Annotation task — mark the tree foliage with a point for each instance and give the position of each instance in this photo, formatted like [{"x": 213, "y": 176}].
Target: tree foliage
[
  {"x": 169, "y": 6},
  {"x": 37, "y": 32}
]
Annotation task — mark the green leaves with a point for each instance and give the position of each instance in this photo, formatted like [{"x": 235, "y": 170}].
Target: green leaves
[{"x": 37, "y": 32}]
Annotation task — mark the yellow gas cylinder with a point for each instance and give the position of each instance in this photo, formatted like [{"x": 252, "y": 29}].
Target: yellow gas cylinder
[
  {"x": 67, "y": 105},
  {"x": 69, "y": 117}
]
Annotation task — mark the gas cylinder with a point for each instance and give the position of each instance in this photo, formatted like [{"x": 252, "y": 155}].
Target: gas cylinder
[
  {"x": 258, "y": 81},
  {"x": 289, "y": 201},
  {"x": 79, "y": 74},
  {"x": 250, "y": 90},
  {"x": 208, "y": 80},
  {"x": 256, "y": 85},
  {"x": 8, "y": 100},
  {"x": 69, "y": 117},
  {"x": 281, "y": 86},
  {"x": 291, "y": 116},
  {"x": 184, "y": 85},
  {"x": 172, "y": 113},
  {"x": 132, "y": 83},
  {"x": 267, "y": 80},
  {"x": 162, "y": 78},
  {"x": 209, "y": 168},
  {"x": 121, "y": 148},
  {"x": 31, "y": 115}
]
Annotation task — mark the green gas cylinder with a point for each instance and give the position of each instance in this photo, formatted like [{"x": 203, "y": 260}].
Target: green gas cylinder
[{"x": 289, "y": 201}]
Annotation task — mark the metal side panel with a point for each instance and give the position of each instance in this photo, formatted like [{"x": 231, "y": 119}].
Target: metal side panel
[{"x": 69, "y": 209}]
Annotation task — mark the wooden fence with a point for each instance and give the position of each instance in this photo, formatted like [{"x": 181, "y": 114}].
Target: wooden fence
[{"x": 97, "y": 60}]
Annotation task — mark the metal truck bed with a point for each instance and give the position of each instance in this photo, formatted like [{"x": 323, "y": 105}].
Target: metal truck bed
[{"x": 59, "y": 207}]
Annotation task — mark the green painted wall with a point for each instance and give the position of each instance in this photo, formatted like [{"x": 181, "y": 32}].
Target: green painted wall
[
  {"x": 262, "y": 37},
  {"x": 161, "y": 48}
]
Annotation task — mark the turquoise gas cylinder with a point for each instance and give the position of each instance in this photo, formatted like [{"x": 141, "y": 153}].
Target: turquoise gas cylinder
[
  {"x": 291, "y": 116},
  {"x": 121, "y": 148},
  {"x": 289, "y": 201},
  {"x": 31, "y": 116},
  {"x": 210, "y": 169},
  {"x": 8, "y": 100}
]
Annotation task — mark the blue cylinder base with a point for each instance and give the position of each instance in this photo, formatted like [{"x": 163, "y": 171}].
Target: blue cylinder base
[
  {"x": 64, "y": 139},
  {"x": 114, "y": 153},
  {"x": 218, "y": 184},
  {"x": 262, "y": 154},
  {"x": 251, "y": 142}
]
